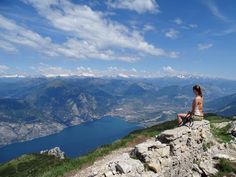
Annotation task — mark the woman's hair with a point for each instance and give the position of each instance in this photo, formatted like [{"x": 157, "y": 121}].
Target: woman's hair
[{"x": 198, "y": 89}]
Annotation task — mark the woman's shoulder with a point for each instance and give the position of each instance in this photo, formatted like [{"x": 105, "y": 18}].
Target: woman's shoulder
[{"x": 198, "y": 98}]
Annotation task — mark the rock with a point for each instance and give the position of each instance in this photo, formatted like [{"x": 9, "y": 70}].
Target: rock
[
  {"x": 179, "y": 146},
  {"x": 124, "y": 165},
  {"x": 232, "y": 146},
  {"x": 145, "y": 151},
  {"x": 232, "y": 129},
  {"x": 54, "y": 152},
  {"x": 179, "y": 152},
  {"x": 108, "y": 174},
  {"x": 154, "y": 166},
  {"x": 224, "y": 156},
  {"x": 207, "y": 167},
  {"x": 173, "y": 134}
]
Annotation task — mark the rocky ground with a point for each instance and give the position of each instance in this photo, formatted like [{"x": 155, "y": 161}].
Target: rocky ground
[{"x": 179, "y": 152}]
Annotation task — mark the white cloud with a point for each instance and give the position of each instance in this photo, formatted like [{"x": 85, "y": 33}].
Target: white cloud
[
  {"x": 140, "y": 6},
  {"x": 172, "y": 33},
  {"x": 215, "y": 11},
  {"x": 13, "y": 34},
  {"x": 183, "y": 24},
  {"x": 218, "y": 14},
  {"x": 178, "y": 21},
  {"x": 7, "y": 46},
  {"x": 148, "y": 27},
  {"x": 4, "y": 68},
  {"x": 193, "y": 25},
  {"x": 227, "y": 31},
  {"x": 168, "y": 69},
  {"x": 112, "y": 71},
  {"x": 81, "y": 71},
  {"x": 89, "y": 34},
  {"x": 205, "y": 46},
  {"x": 171, "y": 72}
]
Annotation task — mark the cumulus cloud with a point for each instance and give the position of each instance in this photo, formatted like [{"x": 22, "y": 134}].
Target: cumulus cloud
[
  {"x": 204, "y": 46},
  {"x": 172, "y": 33},
  {"x": 111, "y": 71},
  {"x": 91, "y": 27},
  {"x": 168, "y": 69},
  {"x": 89, "y": 34},
  {"x": 82, "y": 71},
  {"x": 47, "y": 70},
  {"x": 140, "y": 6},
  {"x": 53, "y": 71}
]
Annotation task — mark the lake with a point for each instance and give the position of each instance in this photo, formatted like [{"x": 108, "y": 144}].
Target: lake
[{"x": 74, "y": 141}]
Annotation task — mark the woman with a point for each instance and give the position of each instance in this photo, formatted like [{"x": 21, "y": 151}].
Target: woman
[{"x": 197, "y": 107}]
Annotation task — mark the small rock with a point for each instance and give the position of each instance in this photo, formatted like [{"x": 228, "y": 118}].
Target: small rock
[{"x": 108, "y": 174}]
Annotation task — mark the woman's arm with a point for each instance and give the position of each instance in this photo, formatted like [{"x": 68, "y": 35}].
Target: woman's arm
[{"x": 194, "y": 105}]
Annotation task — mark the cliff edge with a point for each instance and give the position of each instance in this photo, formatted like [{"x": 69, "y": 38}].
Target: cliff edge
[{"x": 179, "y": 152}]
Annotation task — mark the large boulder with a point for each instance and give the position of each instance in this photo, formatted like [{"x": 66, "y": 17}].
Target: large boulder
[
  {"x": 175, "y": 151},
  {"x": 57, "y": 152}
]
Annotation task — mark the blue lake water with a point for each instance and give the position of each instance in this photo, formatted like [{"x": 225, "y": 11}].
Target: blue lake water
[{"x": 74, "y": 141}]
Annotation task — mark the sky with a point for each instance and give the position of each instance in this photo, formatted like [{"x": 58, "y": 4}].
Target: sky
[{"x": 127, "y": 38}]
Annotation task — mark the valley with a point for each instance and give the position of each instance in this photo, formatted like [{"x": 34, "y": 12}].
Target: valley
[{"x": 37, "y": 107}]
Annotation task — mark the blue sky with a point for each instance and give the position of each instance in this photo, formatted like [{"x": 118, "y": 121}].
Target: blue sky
[{"x": 139, "y": 38}]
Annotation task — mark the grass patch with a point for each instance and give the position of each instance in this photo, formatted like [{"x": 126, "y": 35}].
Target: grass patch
[
  {"x": 220, "y": 133},
  {"x": 226, "y": 168},
  {"x": 217, "y": 119},
  {"x": 30, "y": 165}
]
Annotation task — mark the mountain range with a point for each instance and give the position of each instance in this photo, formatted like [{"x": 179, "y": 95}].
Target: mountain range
[{"x": 34, "y": 107}]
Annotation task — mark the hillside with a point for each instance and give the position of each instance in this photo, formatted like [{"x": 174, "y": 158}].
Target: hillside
[
  {"x": 130, "y": 143},
  {"x": 224, "y": 105},
  {"x": 36, "y": 107}
]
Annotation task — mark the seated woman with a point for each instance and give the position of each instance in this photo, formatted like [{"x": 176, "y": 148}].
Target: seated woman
[{"x": 197, "y": 107}]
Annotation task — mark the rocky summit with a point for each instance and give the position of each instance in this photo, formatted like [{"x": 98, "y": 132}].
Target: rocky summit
[{"x": 179, "y": 152}]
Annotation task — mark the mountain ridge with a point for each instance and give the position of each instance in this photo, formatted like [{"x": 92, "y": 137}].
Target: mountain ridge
[{"x": 66, "y": 102}]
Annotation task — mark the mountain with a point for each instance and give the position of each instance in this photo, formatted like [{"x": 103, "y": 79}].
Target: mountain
[
  {"x": 224, "y": 105},
  {"x": 34, "y": 107}
]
